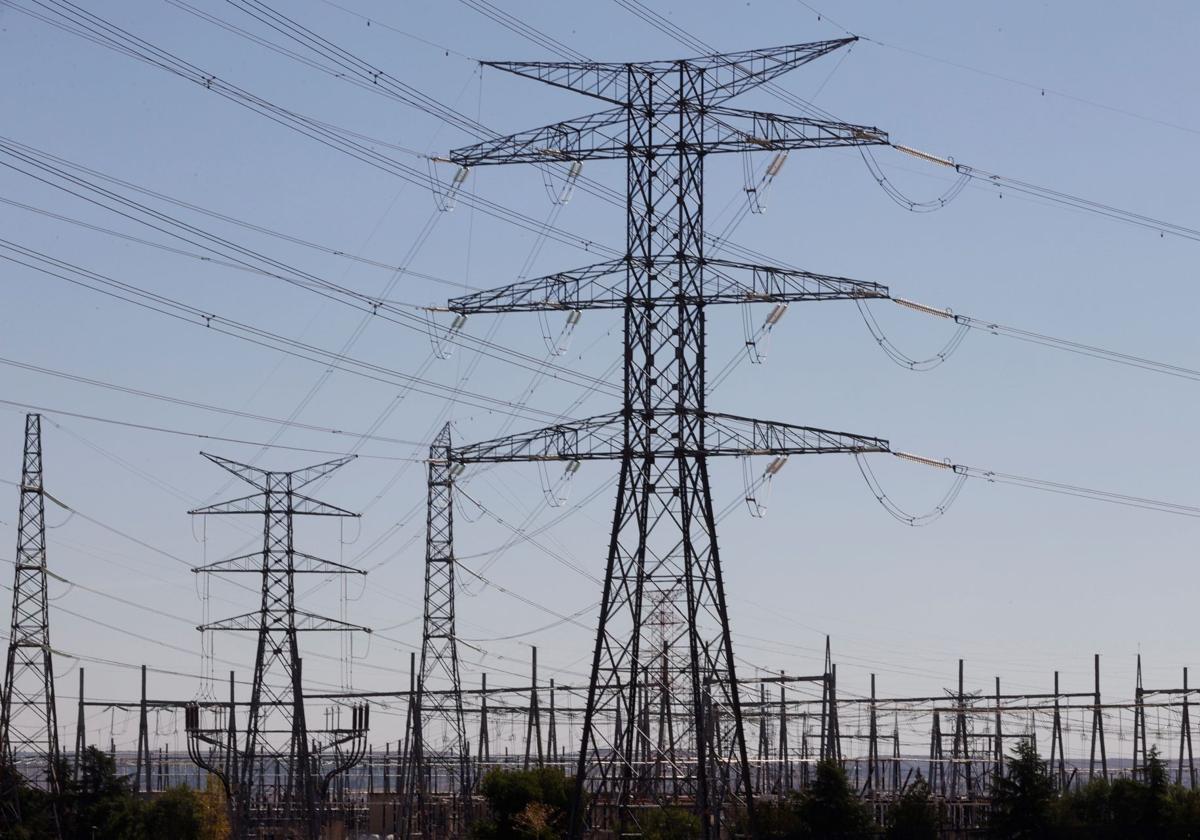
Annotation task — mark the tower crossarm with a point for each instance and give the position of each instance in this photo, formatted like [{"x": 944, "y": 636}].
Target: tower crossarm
[
  {"x": 602, "y": 286},
  {"x": 732, "y": 73},
  {"x": 729, "y": 434},
  {"x": 261, "y": 478},
  {"x": 595, "y": 438},
  {"x": 301, "y": 564},
  {"x": 727, "y": 74},
  {"x": 727, "y": 281},
  {"x": 738, "y": 130},
  {"x": 599, "y": 136},
  {"x": 604, "y": 136},
  {"x": 602, "y": 438},
  {"x": 306, "y": 621},
  {"x": 260, "y": 503},
  {"x": 599, "y": 286}
]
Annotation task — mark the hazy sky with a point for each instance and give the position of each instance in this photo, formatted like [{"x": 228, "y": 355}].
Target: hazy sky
[{"x": 1088, "y": 98}]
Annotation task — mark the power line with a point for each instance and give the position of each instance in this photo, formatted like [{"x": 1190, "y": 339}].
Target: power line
[
  {"x": 193, "y": 315},
  {"x": 245, "y": 256},
  {"x": 231, "y": 412},
  {"x": 145, "y": 427}
]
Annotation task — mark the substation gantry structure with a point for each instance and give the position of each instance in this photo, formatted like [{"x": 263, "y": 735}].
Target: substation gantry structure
[
  {"x": 664, "y": 119},
  {"x": 276, "y": 781}
]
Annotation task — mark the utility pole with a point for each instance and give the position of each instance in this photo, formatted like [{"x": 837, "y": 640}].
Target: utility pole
[
  {"x": 80, "y": 730},
  {"x": 872, "y": 746},
  {"x": 1056, "y": 742},
  {"x": 142, "y": 771},
  {"x": 28, "y": 717},
  {"x": 664, "y": 119},
  {"x": 438, "y": 706},
  {"x": 784, "y": 785},
  {"x": 533, "y": 725},
  {"x": 1185, "y": 738},
  {"x": 552, "y": 733},
  {"x": 998, "y": 770},
  {"x": 1140, "y": 753},
  {"x": 764, "y": 740},
  {"x": 277, "y": 733},
  {"x": 1097, "y": 726}
]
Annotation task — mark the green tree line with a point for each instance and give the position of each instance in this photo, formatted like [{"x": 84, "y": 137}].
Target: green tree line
[{"x": 101, "y": 805}]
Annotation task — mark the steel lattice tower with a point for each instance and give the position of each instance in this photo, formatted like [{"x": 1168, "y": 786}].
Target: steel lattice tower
[
  {"x": 277, "y": 781},
  {"x": 28, "y": 718},
  {"x": 443, "y": 766},
  {"x": 665, "y": 118}
]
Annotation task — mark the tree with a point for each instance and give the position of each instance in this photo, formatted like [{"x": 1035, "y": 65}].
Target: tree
[
  {"x": 827, "y": 809},
  {"x": 177, "y": 813},
  {"x": 1023, "y": 798},
  {"x": 830, "y": 808},
  {"x": 214, "y": 811},
  {"x": 914, "y": 816},
  {"x": 526, "y": 804},
  {"x": 669, "y": 824},
  {"x": 100, "y": 803}
]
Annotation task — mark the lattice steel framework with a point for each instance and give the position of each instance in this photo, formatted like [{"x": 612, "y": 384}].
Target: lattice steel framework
[
  {"x": 441, "y": 751},
  {"x": 277, "y": 780},
  {"x": 666, "y": 118},
  {"x": 28, "y": 718}
]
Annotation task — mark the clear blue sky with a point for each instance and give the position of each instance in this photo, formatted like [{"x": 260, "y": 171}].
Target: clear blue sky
[{"x": 1019, "y": 583}]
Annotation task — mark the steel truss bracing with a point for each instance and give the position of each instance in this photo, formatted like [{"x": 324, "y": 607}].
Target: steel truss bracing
[
  {"x": 28, "y": 719},
  {"x": 278, "y": 779},
  {"x": 668, "y": 117},
  {"x": 440, "y": 748}
]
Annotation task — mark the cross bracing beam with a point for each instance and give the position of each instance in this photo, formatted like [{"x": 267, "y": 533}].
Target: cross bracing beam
[
  {"x": 603, "y": 286},
  {"x": 604, "y": 136},
  {"x": 270, "y": 502},
  {"x": 300, "y": 620},
  {"x": 301, "y": 564},
  {"x": 728, "y": 73},
  {"x": 262, "y": 479},
  {"x": 602, "y": 438}
]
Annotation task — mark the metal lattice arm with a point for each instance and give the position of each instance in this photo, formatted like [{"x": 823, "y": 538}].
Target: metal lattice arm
[
  {"x": 729, "y": 74},
  {"x": 729, "y": 434},
  {"x": 602, "y": 286},
  {"x": 737, "y": 130},
  {"x": 727, "y": 281},
  {"x": 602, "y": 438},
  {"x": 596, "y": 438},
  {"x": 599, "y": 79},
  {"x": 302, "y": 564},
  {"x": 599, "y": 136},
  {"x": 258, "y": 477},
  {"x": 252, "y": 622},
  {"x": 301, "y": 505}
]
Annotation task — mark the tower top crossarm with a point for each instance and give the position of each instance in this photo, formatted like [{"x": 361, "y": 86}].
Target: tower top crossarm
[
  {"x": 728, "y": 73},
  {"x": 695, "y": 85}
]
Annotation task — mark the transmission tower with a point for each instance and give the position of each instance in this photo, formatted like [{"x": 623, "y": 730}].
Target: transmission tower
[
  {"x": 664, "y": 119},
  {"x": 28, "y": 718},
  {"x": 441, "y": 765},
  {"x": 278, "y": 779}
]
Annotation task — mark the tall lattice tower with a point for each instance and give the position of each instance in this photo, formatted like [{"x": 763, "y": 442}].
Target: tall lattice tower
[
  {"x": 664, "y": 119},
  {"x": 277, "y": 781},
  {"x": 440, "y": 781},
  {"x": 28, "y": 719}
]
